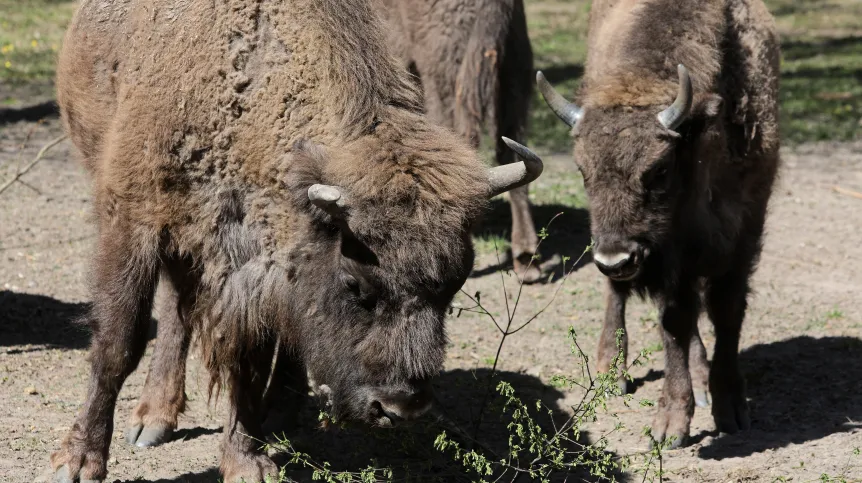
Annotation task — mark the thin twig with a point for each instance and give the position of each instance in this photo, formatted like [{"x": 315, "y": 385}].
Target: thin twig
[
  {"x": 845, "y": 191},
  {"x": 29, "y": 166}
]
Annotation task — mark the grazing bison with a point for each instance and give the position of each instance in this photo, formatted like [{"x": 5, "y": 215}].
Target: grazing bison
[
  {"x": 272, "y": 161},
  {"x": 475, "y": 65},
  {"x": 676, "y": 134}
]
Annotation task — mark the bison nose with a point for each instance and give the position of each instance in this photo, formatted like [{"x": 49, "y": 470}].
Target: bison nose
[
  {"x": 393, "y": 406},
  {"x": 618, "y": 264}
]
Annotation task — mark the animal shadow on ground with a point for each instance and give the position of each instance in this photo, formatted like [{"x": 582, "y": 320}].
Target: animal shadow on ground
[
  {"x": 410, "y": 451},
  {"x": 40, "y": 320},
  {"x": 568, "y": 236},
  {"x": 30, "y": 113},
  {"x": 800, "y": 389}
]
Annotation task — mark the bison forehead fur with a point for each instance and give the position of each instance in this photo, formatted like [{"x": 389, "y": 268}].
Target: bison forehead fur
[
  {"x": 208, "y": 122},
  {"x": 697, "y": 188}
]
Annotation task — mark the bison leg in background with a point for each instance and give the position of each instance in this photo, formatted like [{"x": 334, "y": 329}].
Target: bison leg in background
[
  {"x": 679, "y": 314},
  {"x": 512, "y": 104},
  {"x": 699, "y": 368},
  {"x": 726, "y": 304},
  {"x": 242, "y": 458},
  {"x": 615, "y": 319},
  {"x": 154, "y": 420},
  {"x": 125, "y": 280}
]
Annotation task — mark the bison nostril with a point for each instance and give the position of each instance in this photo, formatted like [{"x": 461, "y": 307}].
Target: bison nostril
[{"x": 611, "y": 261}]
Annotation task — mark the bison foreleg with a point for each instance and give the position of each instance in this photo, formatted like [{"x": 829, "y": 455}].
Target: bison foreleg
[
  {"x": 163, "y": 399},
  {"x": 726, "y": 304},
  {"x": 125, "y": 279},
  {"x": 615, "y": 320},
  {"x": 679, "y": 314},
  {"x": 242, "y": 457}
]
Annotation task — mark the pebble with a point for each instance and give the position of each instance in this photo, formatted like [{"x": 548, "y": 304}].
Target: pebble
[{"x": 30, "y": 390}]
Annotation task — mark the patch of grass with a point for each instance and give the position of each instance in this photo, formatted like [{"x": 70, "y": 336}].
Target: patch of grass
[{"x": 31, "y": 33}]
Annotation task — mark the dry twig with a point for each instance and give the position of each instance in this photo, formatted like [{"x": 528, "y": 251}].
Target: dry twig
[
  {"x": 29, "y": 166},
  {"x": 845, "y": 191}
]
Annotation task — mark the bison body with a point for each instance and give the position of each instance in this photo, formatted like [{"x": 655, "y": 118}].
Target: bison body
[
  {"x": 271, "y": 161},
  {"x": 474, "y": 63},
  {"x": 676, "y": 133}
]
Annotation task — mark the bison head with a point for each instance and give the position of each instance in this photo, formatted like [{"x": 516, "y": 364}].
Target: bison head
[
  {"x": 388, "y": 248},
  {"x": 635, "y": 169}
]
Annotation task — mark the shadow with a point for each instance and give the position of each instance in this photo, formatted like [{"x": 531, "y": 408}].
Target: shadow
[
  {"x": 410, "y": 452},
  {"x": 208, "y": 476},
  {"x": 187, "y": 434},
  {"x": 568, "y": 235},
  {"x": 561, "y": 73},
  {"x": 651, "y": 376},
  {"x": 40, "y": 320},
  {"x": 32, "y": 113},
  {"x": 800, "y": 390}
]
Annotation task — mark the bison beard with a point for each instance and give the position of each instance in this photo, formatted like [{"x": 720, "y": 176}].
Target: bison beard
[
  {"x": 270, "y": 160},
  {"x": 678, "y": 189}
]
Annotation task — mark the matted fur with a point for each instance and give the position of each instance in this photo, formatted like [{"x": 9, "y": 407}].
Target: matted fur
[{"x": 204, "y": 123}]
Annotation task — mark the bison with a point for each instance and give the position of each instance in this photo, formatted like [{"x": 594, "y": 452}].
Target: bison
[
  {"x": 271, "y": 161},
  {"x": 475, "y": 65},
  {"x": 676, "y": 134}
]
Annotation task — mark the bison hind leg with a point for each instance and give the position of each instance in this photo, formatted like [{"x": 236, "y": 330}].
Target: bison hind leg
[{"x": 154, "y": 420}]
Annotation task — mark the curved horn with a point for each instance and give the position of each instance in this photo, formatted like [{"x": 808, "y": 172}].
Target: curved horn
[
  {"x": 569, "y": 112},
  {"x": 327, "y": 198},
  {"x": 674, "y": 115},
  {"x": 510, "y": 176}
]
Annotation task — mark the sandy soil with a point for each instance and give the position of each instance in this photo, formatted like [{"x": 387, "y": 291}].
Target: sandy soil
[{"x": 802, "y": 352}]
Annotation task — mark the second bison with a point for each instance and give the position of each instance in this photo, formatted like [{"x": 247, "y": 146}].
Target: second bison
[{"x": 678, "y": 164}]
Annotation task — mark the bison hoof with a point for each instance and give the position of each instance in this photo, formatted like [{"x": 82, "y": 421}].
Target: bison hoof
[
  {"x": 731, "y": 414},
  {"x": 259, "y": 469},
  {"x": 672, "y": 422},
  {"x": 527, "y": 270},
  {"x": 701, "y": 397},
  {"x": 64, "y": 475},
  {"x": 147, "y": 436}
]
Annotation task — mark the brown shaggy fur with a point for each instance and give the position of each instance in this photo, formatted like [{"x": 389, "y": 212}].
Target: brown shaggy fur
[
  {"x": 475, "y": 65},
  {"x": 688, "y": 205},
  {"x": 203, "y": 124}
]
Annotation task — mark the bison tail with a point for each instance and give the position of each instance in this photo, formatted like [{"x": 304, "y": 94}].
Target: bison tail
[{"x": 478, "y": 83}]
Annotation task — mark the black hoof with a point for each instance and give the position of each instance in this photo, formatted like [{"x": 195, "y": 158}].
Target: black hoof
[{"x": 147, "y": 436}]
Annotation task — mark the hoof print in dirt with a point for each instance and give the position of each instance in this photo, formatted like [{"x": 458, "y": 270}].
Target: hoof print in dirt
[{"x": 148, "y": 436}]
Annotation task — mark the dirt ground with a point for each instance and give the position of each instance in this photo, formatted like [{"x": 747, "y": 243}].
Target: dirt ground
[{"x": 802, "y": 341}]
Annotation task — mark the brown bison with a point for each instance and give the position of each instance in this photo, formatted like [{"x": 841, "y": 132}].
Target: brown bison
[
  {"x": 475, "y": 65},
  {"x": 676, "y": 134},
  {"x": 271, "y": 160}
]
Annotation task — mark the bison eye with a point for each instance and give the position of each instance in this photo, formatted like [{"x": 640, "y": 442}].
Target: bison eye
[{"x": 350, "y": 282}]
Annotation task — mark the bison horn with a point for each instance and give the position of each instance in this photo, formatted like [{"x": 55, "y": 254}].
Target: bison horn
[
  {"x": 327, "y": 198},
  {"x": 674, "y": 115},
  {"x": 569, "y": 112},
  {"x": 510, "y": 176}
]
